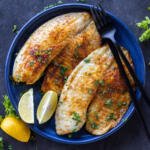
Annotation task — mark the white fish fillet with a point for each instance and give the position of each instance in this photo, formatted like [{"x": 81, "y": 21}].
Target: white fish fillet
[{"x": 79, "y": 91}]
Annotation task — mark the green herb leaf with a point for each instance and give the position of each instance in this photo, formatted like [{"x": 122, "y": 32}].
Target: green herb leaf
[
  {"x": 76, "y": 117},
  {"x": 74, "y": 130},
  {"x": 124, "y": 119},
  {"x": 63, "y": 70},
  {"x": 65, "y": 79},
  {"x": 94, "y": 125},
  {"x": 90, "y": 91},
  {"x": 145, "y": 25},
  {"x": 82, "y": 1},
  {"x": 70, "y": 135},
  {"x": 52, "y": 5},
  {"x": 76, "y": 52},
  {"x": 1, "y": 144},
  {"x": 96, "y": 82},
  {"x": 108, "y": 103},
  {"x": 120, "y": 104},
  {"x": 87, "y": 60},
  {"x": 9, "y": 109},
  {"x": 101, "y": 82},
  {"x": 148, "y": 8},
  {"x": 111, "y": 116},
  {"x": 60, "y": 2},
  {"x": 10, "y": 147},
  {"x": 31, "y": 63},
  {"x": 14, "y": 29},
  {"x": 49, "y": 6},
  {"x": 1, "y": 118},
  {"x": 96, "y": 114},
  {"x": 145, "y": 36}
]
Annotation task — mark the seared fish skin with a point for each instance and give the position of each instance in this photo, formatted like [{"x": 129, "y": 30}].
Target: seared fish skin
[
  {"x": 76, "y": 50},
  {"x": 45, "y": 44},
  {"x": 79, "y": 90},
  {"x": 111, "y": 101}
]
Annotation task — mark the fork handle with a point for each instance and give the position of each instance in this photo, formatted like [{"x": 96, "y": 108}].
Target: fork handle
[
  {"x": 134, "y": 77},
  {"x": 125, "y": 77}
]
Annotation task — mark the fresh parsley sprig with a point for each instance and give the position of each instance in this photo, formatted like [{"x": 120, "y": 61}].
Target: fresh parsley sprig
[
  {"x": 9, "y": 109},
  {"x": 145, "y": 26}
]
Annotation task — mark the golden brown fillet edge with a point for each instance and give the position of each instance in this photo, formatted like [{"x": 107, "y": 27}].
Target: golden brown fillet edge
[{"x": 110, "y": 102}]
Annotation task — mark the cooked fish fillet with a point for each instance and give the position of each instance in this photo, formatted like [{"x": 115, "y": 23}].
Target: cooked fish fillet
[
  {"x": 79, "y": 90},
  {"x": 111, "y": 101},
  {"x": 77, "y": 49},
  {"x": 46, "y": 43}
]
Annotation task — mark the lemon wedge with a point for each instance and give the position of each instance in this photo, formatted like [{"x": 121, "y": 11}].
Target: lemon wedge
[
  {"x": 47, "y": 106},
  {"x": 16, "y": 128},
  {"x": 26, "y": 107}
]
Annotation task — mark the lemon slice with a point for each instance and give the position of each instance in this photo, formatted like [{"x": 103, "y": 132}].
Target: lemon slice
[
  {"x": 26, "y": 107},
  {"x": 47, "y": 106},
  {"x": 16, "y": 128}
]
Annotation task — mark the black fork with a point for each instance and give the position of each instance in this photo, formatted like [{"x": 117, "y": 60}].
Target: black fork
[{"x": 107, "y": 31}]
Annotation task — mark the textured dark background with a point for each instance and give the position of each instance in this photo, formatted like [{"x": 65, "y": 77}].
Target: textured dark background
[{"x": 131, "y": 136}]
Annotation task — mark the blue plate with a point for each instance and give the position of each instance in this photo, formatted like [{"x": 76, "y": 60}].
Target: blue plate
[{"x": 124, "y": 37}]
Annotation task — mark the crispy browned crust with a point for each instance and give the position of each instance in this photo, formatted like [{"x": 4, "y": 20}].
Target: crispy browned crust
[
  {"x": 80, "y": 89},
  {"x": 48, "y": 41},
  {"x": 115, "y": 90},
  {"x": 76, "y": 49}
]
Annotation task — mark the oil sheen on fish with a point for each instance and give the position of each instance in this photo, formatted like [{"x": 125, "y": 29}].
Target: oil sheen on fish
[
  {"x": 80, "y": 89},
  {"x": 76, "y": 50},
  {"x": 45, "y": 44},
  {"x": 111, "y": 101}
]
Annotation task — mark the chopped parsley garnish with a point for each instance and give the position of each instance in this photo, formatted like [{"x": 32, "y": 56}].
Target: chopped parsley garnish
[
  {"x": 120, "y": 104},
  {"x": 1, "y": 118},
  {"x": 76, "y": 52},
  {"x": 39, "y": 59},
  {"x": 76, "y": 117},
  {"x": 52, "y": 5},
  {"x": 10, "y": 147},
  {"x": 96, "y": 82},
  {"x": 96, "y": 114},
  {"x": 87, "y": 60},
  {"x": 74, "y": 130},
  {"x": 94, "y": 125},
  {"x": 56, "y": 81},
  {"x": 124, "y": 119},
  {"x": 14, "y": 29},
  {"x": 108, "y": 102},
  {"x": 9, "y": 109},
  {"x": 49, "y": 6},
  {"x": 70, "y": 135},
  {"x": 31, "y": 63},
  {"x": 90, "y": 91},
  {"x": 63, "y": 70},
  {"x": 60, "y": 2},
  {"x": 145, "y": 26},
  {"x": 101, "y": 82},
  {"x": 1, "y": 143},
  {"x": 41, "y": 55},
  {"x": 82, "y": 1},
  {"x": 111, "y": 116},
  {"x": 65, "y": 79}
]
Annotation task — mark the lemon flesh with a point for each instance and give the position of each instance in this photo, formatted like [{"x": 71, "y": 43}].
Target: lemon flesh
[
  {"x": 16, "y": 128},
  {"x": 26, "y": 107},
  {"x": 47, "y": 106}
]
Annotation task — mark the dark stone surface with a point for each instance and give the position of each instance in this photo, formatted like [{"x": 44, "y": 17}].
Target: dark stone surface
[{"x": 131, "y": 136}]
